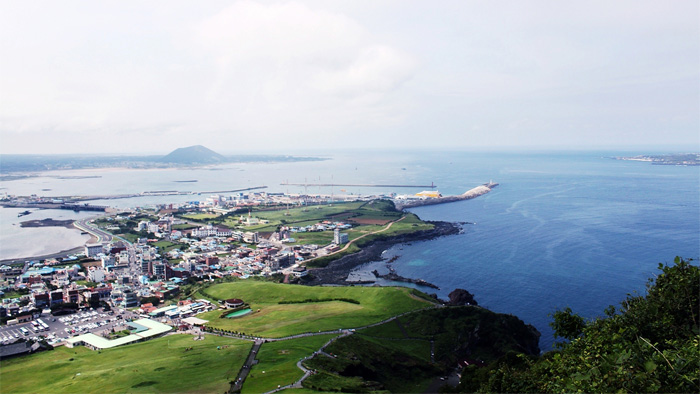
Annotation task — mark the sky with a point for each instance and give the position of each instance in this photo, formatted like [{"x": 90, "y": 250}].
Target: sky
[{"x": 285, "y": 76}]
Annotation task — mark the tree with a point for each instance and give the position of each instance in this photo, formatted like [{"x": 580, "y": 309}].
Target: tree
[
  {"x": 650, "y": 346},
  {"x": 567, "y": 324}
]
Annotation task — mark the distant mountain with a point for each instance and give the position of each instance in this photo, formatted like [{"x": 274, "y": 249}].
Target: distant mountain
[{"x": 193, "y": 155}]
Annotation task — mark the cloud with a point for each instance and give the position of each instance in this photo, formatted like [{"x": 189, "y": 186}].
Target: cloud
[
  {"x": 276, "y": 74},
  {"x": 287, "y": 54}
]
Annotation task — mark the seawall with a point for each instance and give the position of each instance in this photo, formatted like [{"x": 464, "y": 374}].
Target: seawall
[{"x": 469, "y": 194}]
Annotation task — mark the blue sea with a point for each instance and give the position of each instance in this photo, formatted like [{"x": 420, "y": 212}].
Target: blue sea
[
  {"x": 561, "y": 230},
  {"x": 571, "y": 229}
]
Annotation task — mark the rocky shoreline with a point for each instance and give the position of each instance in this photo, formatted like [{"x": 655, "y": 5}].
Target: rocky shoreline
[{"x": 337, "y": 271}]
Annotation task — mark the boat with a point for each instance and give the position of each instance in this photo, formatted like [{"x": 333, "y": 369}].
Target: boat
[{"x": 25, "y": 213}]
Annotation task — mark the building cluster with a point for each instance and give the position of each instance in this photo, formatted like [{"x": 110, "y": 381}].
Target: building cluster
[{"x": 121, "y": 274}]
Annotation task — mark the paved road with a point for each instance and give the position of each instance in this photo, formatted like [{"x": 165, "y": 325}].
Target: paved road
[
  {"x": 101, "y": 235},
  {"x": 245, "y": 370}
]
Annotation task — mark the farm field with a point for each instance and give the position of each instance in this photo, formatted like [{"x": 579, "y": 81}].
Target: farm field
[
  {"x": 275, "y": 319},
  {"x": 279, "y": 361},
  {"x": 155, "y": 366}
]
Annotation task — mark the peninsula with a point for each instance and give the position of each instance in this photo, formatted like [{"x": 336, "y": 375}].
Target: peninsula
[{"x": 676, "y": 159}]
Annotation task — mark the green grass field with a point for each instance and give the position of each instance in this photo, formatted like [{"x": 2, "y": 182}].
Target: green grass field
[
  {"x": 155, "y": 366},
  {"x": 200, "y": 216},
  {"x": 279, "y": 320},
  {"x": 279, "y": 361}
]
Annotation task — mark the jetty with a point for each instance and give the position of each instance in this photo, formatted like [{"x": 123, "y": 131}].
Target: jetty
[
  {"x": 431, "y": 186},
  {"x": 52, "y": 205},
  {"x": 469, "y": 194}
]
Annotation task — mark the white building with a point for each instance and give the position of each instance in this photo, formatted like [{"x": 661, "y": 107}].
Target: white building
[
  {"x": 92, "y": 250},
  {"x": 96, "y": 274},
  {"x": 211, "y": 231},
  {"x": 340, "y": 238}
]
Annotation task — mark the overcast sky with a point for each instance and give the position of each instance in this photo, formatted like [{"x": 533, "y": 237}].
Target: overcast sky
[{"x": 237, "y": 76}]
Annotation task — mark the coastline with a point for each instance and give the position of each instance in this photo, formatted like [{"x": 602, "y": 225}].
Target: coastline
[
  {"x": 53, "y": 255},
  {"x": 337, "y": 271}
]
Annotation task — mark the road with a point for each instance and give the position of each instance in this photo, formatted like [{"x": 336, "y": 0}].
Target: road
[
  {"x": 101, "y": 235},
  {"x": 388, "y": 226}
]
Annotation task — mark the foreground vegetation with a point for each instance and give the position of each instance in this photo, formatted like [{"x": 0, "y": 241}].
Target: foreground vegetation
[
  {"x": 292, "y": 309},
  {"x": 160, "y": 365},
  {"x": 652, "y": 344},
  {"x": 396, "y": 356}
]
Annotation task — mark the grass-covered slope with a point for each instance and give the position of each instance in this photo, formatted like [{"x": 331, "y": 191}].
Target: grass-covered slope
[
  {"x": 277, "y": 364},
  {"x": 397, "y": 356},
  {"x": 160, "y": 365},
  {"x": 319, "y": 308}
]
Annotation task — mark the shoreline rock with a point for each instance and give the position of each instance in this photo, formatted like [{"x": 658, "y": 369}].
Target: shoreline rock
[{"x": 337, "y": 271}]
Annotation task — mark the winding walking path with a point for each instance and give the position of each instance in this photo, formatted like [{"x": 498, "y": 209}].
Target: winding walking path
[{"x": 258, "y": 342}]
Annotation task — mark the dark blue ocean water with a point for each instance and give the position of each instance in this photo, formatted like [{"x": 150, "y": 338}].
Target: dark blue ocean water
[{"x": 572, "y": 230}]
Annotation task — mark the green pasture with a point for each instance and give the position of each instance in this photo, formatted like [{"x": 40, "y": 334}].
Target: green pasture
[
  {"x": 160, "y": 365},
  {"x": 200, "y": 216},
  {"x": 279, "y": 320},
  {"x": 318, "y": 238},
  {"x": 278, "y": 360}
]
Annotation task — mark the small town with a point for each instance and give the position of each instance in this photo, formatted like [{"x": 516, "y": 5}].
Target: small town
[{"x": 141, "y": 259}]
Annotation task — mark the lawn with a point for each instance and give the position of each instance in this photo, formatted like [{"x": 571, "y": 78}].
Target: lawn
[
  {"x": 279, "y": 320},
  {"x": 166, "y": 246},
  {"x": 158, "y": 365},
  {"x": 200, "y": 216},
  {"x": 278, "y": 360}
]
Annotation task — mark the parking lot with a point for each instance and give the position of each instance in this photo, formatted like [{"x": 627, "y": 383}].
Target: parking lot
[{"x": 62, "y": 327}]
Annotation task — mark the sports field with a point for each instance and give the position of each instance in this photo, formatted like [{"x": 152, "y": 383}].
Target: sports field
[
  {"x": 155, "y": 366},
  {"x": 325, "y": 312}
]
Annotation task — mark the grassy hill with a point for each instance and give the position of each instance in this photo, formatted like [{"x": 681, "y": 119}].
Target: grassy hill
[
  {"x": 157, "y": 366},
  {"x": 324, "y": 312}
]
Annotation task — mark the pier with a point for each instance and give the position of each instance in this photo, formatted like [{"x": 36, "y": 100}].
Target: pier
[
  {"x": 431, "y": 186},
  {"x": 469, "y": 194},
  {"x": 48, "y": 205}
]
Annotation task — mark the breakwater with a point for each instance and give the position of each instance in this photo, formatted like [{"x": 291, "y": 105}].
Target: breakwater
[
  {"x": 51, "y": 205},
  {"x": 469, "y": 194}
]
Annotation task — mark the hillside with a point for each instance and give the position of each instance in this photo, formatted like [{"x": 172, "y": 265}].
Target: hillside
[{"x": 196, "y": 154}]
